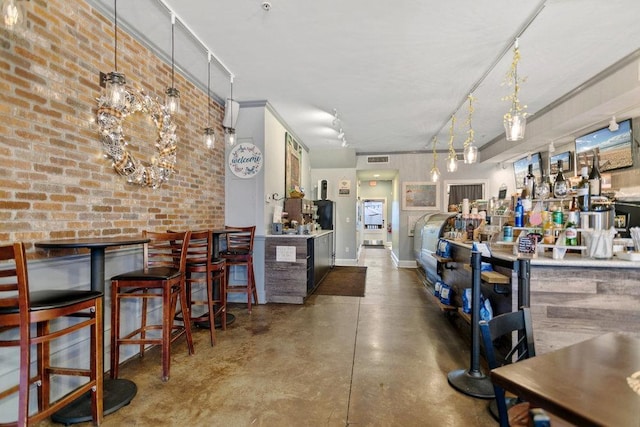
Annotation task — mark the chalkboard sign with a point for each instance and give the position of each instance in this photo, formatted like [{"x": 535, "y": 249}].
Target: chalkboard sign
[{"x": 527, "y": 245}]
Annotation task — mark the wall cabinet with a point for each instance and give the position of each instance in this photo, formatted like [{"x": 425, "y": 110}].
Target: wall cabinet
[{"x": 291, "y": 280}]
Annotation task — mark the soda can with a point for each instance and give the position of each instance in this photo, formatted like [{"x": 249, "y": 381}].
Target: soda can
[{"x": 507, "y": 233}]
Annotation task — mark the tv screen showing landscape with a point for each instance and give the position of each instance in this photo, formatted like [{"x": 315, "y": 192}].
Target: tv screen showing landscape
[
  {"x": 521, "y": 168},
  {"x": 614, "y": 148}
]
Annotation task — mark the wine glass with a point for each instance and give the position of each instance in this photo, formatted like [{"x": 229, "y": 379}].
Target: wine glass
[
  {"x": 560, "y": 189},
  {"x": 543, "y": 190}
]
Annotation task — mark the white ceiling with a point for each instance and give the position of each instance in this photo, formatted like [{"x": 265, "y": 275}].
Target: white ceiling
[{"x": 395, "y": 71}]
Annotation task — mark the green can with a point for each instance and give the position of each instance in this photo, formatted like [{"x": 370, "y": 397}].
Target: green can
[{"x": 557, "y": 217}]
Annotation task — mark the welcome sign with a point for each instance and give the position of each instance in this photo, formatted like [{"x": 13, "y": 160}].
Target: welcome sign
[{"x": 245, "y": 160}]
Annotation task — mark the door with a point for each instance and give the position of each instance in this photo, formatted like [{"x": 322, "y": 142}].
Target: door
[{"x": 374, "y": 220}]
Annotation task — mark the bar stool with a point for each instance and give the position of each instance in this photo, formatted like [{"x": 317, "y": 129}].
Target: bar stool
[
  {"x": 162, "y": 277},
  {"x": 239, "y": 252},
  {"x": 203, "y": 271},
  {"x": 20, "y": 309}
]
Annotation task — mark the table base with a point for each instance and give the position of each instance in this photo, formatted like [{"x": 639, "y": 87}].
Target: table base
[
  {"x": 474, "y": 384},
  {"x": 218, "y": 323},
  {"x": 116, "y": 394}
]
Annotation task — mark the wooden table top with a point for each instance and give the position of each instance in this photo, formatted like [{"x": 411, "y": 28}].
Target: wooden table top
[
  {"x": 91, "y": 242},
  {"x": 585, "y": 383}
]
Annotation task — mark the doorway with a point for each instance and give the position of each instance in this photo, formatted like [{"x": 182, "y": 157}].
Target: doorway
[{"x": 374, "y": 231}]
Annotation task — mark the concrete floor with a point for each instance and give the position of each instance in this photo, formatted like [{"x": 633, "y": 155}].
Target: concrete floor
[{"x": 381, "y": 360}]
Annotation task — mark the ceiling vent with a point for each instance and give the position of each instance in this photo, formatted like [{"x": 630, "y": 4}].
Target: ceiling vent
[{"x": 376, "y": 160}]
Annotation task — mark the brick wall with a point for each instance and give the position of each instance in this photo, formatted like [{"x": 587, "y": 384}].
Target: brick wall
[{"x": 54, "y": 179}]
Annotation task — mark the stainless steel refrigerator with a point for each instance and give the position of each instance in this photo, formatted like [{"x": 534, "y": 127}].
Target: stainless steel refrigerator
[{"x": 326, "y": 213}]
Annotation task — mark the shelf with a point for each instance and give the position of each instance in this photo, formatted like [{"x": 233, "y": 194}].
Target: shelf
[
  {"x": 443, "y": 307},
  {"x": 465, "y": 316},
  {"x": 442, "y": 259},
  {"x": 491, "y": 277},
  {"x": 548, "y": 245}
]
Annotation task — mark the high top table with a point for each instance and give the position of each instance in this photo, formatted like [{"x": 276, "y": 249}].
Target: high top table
[
  {"x": 585, "y": 383},
  {"x": 117, "y": 392}
]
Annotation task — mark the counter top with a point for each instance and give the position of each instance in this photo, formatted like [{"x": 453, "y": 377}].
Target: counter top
[
  {"x": 569, "y": 260},
  {"x": 312, "y": 235}
]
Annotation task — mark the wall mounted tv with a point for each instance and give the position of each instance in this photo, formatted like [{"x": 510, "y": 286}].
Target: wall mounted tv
[
  {"x": 615, "y": 148},
  {"x": 521, "y": 168}
]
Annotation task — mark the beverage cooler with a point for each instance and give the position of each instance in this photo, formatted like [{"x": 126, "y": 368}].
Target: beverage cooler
[
  {"x": 326, "y": 213},
  {"x": 428, "y": 229}
]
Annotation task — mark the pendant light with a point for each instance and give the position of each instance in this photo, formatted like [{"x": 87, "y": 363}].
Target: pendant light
[
  {"x": 14, "y": 15},
  {"x": 452, "y": 160},
  {"x": 230, "y": 132},
  {"x": 435, "y": 172},
  {"x": 115, "y": 81},
  {"x": 209, "y": 132},
  {"x": 470, "y": 151},
  {"x": 515, "y": 121},
  {"x": 173, "y": 95}
]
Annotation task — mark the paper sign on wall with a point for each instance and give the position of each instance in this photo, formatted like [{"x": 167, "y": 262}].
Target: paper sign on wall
[{"x": 285, "y": 253}]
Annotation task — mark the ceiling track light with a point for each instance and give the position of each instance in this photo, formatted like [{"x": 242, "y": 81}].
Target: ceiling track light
[
  {"x": 173, "y": 95},
  {"x": 613, "y": 124}
]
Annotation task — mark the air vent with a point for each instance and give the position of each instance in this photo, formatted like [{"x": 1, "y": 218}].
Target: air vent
[{"x": 376, "y": 160}]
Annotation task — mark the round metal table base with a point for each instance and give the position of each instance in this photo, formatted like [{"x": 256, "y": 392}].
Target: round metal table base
[
  {"x": 117, "y": 393},
  {"x": 473, "y": 384},
  {"x": 205, "y": 324}
]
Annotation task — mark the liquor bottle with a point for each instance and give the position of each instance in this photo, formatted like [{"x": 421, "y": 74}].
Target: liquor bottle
[
  {"x": 526, "y": 196},
  {"x": 571, "y": 234},
  {"x": 519, "y": 214},
  {"x": 530, "y": 182},
  {"x": 583, "y": 191},
  {"x": 560, "y": 184},
  {"x": 595, "y": 180},
  {"x": 548, "y": 236}
]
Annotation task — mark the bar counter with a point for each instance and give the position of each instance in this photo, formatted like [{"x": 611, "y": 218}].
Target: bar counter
[{"x": 571, "y": 299}]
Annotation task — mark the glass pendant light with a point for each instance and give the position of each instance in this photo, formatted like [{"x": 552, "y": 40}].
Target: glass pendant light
[
  {"x": 470, "y": 152},
  {"x": 435, "y": 172},
  {"x": 515, "y": 121},
  {"x": 209, "y": 132},
  {"x": 13, "y": 14},
  {"x": 173, "y": 95},
  {"x": 452, "y": 160},
  {"x": 115, "y": 82}
]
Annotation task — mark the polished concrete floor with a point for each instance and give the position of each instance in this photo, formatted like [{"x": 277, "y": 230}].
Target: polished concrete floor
[{"x": 381, "y": 360}]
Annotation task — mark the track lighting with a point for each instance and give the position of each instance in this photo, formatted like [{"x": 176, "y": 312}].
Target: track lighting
[
  {"x": 613, "y": 124},
  {"x": 173, "y": 94}
]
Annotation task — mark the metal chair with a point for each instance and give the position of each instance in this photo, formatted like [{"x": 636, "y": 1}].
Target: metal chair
[
  {"x": 20, "y": 309},
  {"x": 162, "y": 277},
  {"x": 239, "y": 252},
  {"x": 500, "y": 329}
]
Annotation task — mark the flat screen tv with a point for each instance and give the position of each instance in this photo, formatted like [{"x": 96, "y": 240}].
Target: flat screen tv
[
  {"x": 521, "y": 167},
  {"x": 615, "y": 149}
]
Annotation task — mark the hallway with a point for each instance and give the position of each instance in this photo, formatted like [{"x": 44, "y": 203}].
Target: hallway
[{"x": 380, "y": 360}]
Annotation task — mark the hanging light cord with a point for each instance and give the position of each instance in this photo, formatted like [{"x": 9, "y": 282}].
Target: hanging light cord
[
  {"x": 173, "y": 24},
  {"x": 209, "y": 89},
  {"x": 115, "y": 49},
  {"x": 231, "y": 103}
]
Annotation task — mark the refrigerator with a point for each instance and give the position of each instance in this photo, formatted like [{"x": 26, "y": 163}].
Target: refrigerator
[{"x": 326, "y": 213}]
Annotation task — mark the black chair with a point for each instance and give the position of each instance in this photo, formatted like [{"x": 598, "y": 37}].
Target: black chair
[
  {"x": 21, "y": 309},
  {"x": 496, "y": 333}
]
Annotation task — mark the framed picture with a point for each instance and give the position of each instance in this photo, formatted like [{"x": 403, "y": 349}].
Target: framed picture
[
  {"x": 292, "y": 163},
  {"x": 419, "y": 196},
  {"x": 521, "y": 168},
  {"x": 567, "y": 162}
]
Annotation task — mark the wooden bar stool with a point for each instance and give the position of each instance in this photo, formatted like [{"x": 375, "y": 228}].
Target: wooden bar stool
[
  {"x": 203, "y": 272},
  {"x": 20, "y": 309},
  {"x": 162, "y": 277},
  {"x": 239, "y": 252}
]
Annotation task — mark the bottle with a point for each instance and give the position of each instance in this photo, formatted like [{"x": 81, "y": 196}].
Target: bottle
[
  {"x": 519, "y": 214},
  {"x": 547, "y": 228},
  {"x": 530, "y": 182},
  {"x": 526, "y": 196},
  {"x": 595, "y": 180},
  {"x": 571, "y": 234},
  {"x": 583, "y": 191},
  {"x": 560, "y": 184}
]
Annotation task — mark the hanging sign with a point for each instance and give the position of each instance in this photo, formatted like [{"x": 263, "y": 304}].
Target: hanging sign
[{"x": 245, "y": 160}]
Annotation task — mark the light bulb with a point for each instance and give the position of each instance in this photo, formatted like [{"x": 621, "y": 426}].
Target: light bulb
[
  {"x": 209, "y": 138},
  {"x": 13, "y": 14},
  {"x": 435, "y": 174},
  {"x": 230, "y": 136},
  {"x": 514, "y": 127},
  {"x": 172, "y": 100},
  {"x": 115, "y": 89},
  {"x": 452, "y": 164},
  {"x": 470, "y": 154}
]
